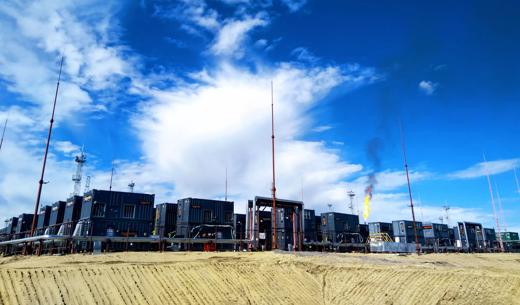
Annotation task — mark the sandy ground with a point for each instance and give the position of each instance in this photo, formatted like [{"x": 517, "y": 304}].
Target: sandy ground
[{"x": 261, "y": 278}]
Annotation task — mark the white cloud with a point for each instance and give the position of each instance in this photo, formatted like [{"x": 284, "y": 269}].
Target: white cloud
[
  {"x": 39, "y": 33},
  {"x": 303, "y": 54},
  {"x": 195, "y": 132},
  {"x": 427, "y": 87},
  {"x": 230, "y": 38},
  {"x": 66, "y": 147},
  {"x": 482, "y": 168},
  {"x": 322, "y": 128},
  {"x": 294, "y": 5}
]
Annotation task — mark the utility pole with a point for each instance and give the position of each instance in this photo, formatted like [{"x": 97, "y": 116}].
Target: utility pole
[
  {"x": 273, "y": 190},
  {"x": 493, "y": 205},
  {"x": 351, "y": 195},
  {"x": 417, "y": 247},
  {"x": 40, "y": 182},
  {"x": 225, "y": 198},
  {"x": 3, "y": 134}
]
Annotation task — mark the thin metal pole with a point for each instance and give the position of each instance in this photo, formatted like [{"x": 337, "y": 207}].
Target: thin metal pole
[
  {"x": 516, "y": 180},
  {"x": 111, "y": 176},
  {"x": 3, "y": 134},
  {"x": 499, "y": 235},
  {"x": 273, "y": 218},
  {"x": 417, "y": 248},
  {"x": 40, "y": 182},
  {"x": 226, "y": 186},
  {"x": 500, "y": 206}
]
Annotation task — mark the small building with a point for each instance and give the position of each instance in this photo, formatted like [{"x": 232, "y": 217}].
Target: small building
[
  {"x": 490, "y": 238},
  {"x": 436, "y": 235},
  {"x": 43, "y": 219},
  {"x": 470, "y": 236},
  {"x": 12, "y": 223},
  {"x": 509, "y": 236},
  {"x": 340, "y": 228},
  {"x": 287, "y": 228},
  {"x": 364, "y": 231},
  {"x": 309, "y": 226},
  {"x": 317, "y": 227},
  {"x": 289, "y": 223},
  {"x": 56, "y": 219},
  {"x": 404, "y": 231},
  {"x": 165, "y": 219},
  {"x": 71, "y": 215},
  {"x": 204, "y": 218},
  {"x": 113, "y": 213},
  {"x": 381, "y": 228},
  {"x": 24, "y": 224},
  {"x": 239, "y": 222}
]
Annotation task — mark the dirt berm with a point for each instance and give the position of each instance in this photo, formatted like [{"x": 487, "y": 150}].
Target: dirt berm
[{"x": 261, "y": 278}]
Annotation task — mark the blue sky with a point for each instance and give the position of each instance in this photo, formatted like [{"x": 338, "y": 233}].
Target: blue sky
[{"x": 176, "y": 91}]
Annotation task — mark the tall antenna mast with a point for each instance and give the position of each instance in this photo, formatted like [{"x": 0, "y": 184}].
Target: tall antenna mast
[
  {"x": 225, "y": 198},
  {"x": 351, "y": 195},
  {"x": 131, "y": 186},
  {"x": 87, "y": 184},
  {"x": 80, "y": 161},
  {"x": 417, "y": 248},
  {"x": 446, "y": 208},
  {"x": 500, "y": 206},
  {"x": 273, "y": 190},
  {"x": 111, "y": 176},
  {"x": 3, "y": 134},
  {"x": 40, "y": 182},
  {"x": 516, "y": 180},
  {"x": 499, "y": 235}
]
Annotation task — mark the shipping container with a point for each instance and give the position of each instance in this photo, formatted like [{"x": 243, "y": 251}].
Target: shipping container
[
  {"x": 309, "y": 226},
  {"x": 24, "y": 224},
  {"x": 287, "y": 228},
  {"x": 43, "y": 219},
  {"x": 71, "y": 215},
  {"x": 165, "y": 219},
  {"x": 364, "y": 232},
  {"x": 490, "y": 237},
  {"x": 340, "y": 228},
  {"x": 509, "y": 236},
  {"x": 436, "y": 234},
  {"x": 404, "y": 231},
  {"x": 56, "y": 219},
  {"x": 12, "y": 223},
  {"x": 470, "y": 235},
  {"x": 239, "y": 221},
  {"x": 113, "y": 213},
  {"x": 193, "y": 213},
  {"x": 381, "y": 227}
]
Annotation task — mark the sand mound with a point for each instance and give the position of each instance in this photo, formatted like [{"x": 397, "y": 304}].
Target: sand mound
[{"x": 260, "y": 278}]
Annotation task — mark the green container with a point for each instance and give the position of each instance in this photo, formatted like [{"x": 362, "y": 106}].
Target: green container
[{"x": 509, "y": 236}]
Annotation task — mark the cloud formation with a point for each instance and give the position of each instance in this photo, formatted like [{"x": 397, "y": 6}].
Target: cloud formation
[
  {"x": 427, "y": 87},
  {"x": 482, "y": 168}
]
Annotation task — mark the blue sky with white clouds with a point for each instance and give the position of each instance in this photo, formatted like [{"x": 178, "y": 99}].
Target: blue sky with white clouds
[{"x": 176, "y": 91}]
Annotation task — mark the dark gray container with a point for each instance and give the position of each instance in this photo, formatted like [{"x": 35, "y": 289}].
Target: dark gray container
[
  {"x": 194, "y": 212},
  {"x": 239, "y": 222},
  {"x": 404, "y": 232},
  {"x": 309, "y": 226},
  {"x": 23, "y": 227},
  {"x": 12, "y": 223},
  {"x": 57, "y": 213},
  {"x": 381, "y": 227},
  {"x": 165, "y": 219},
  {"x": 71, "y": 214},
  {"x": 43, "y": 218},
  {"x": 113, "y": 213},
  {"x": 339, "y": 227}
]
